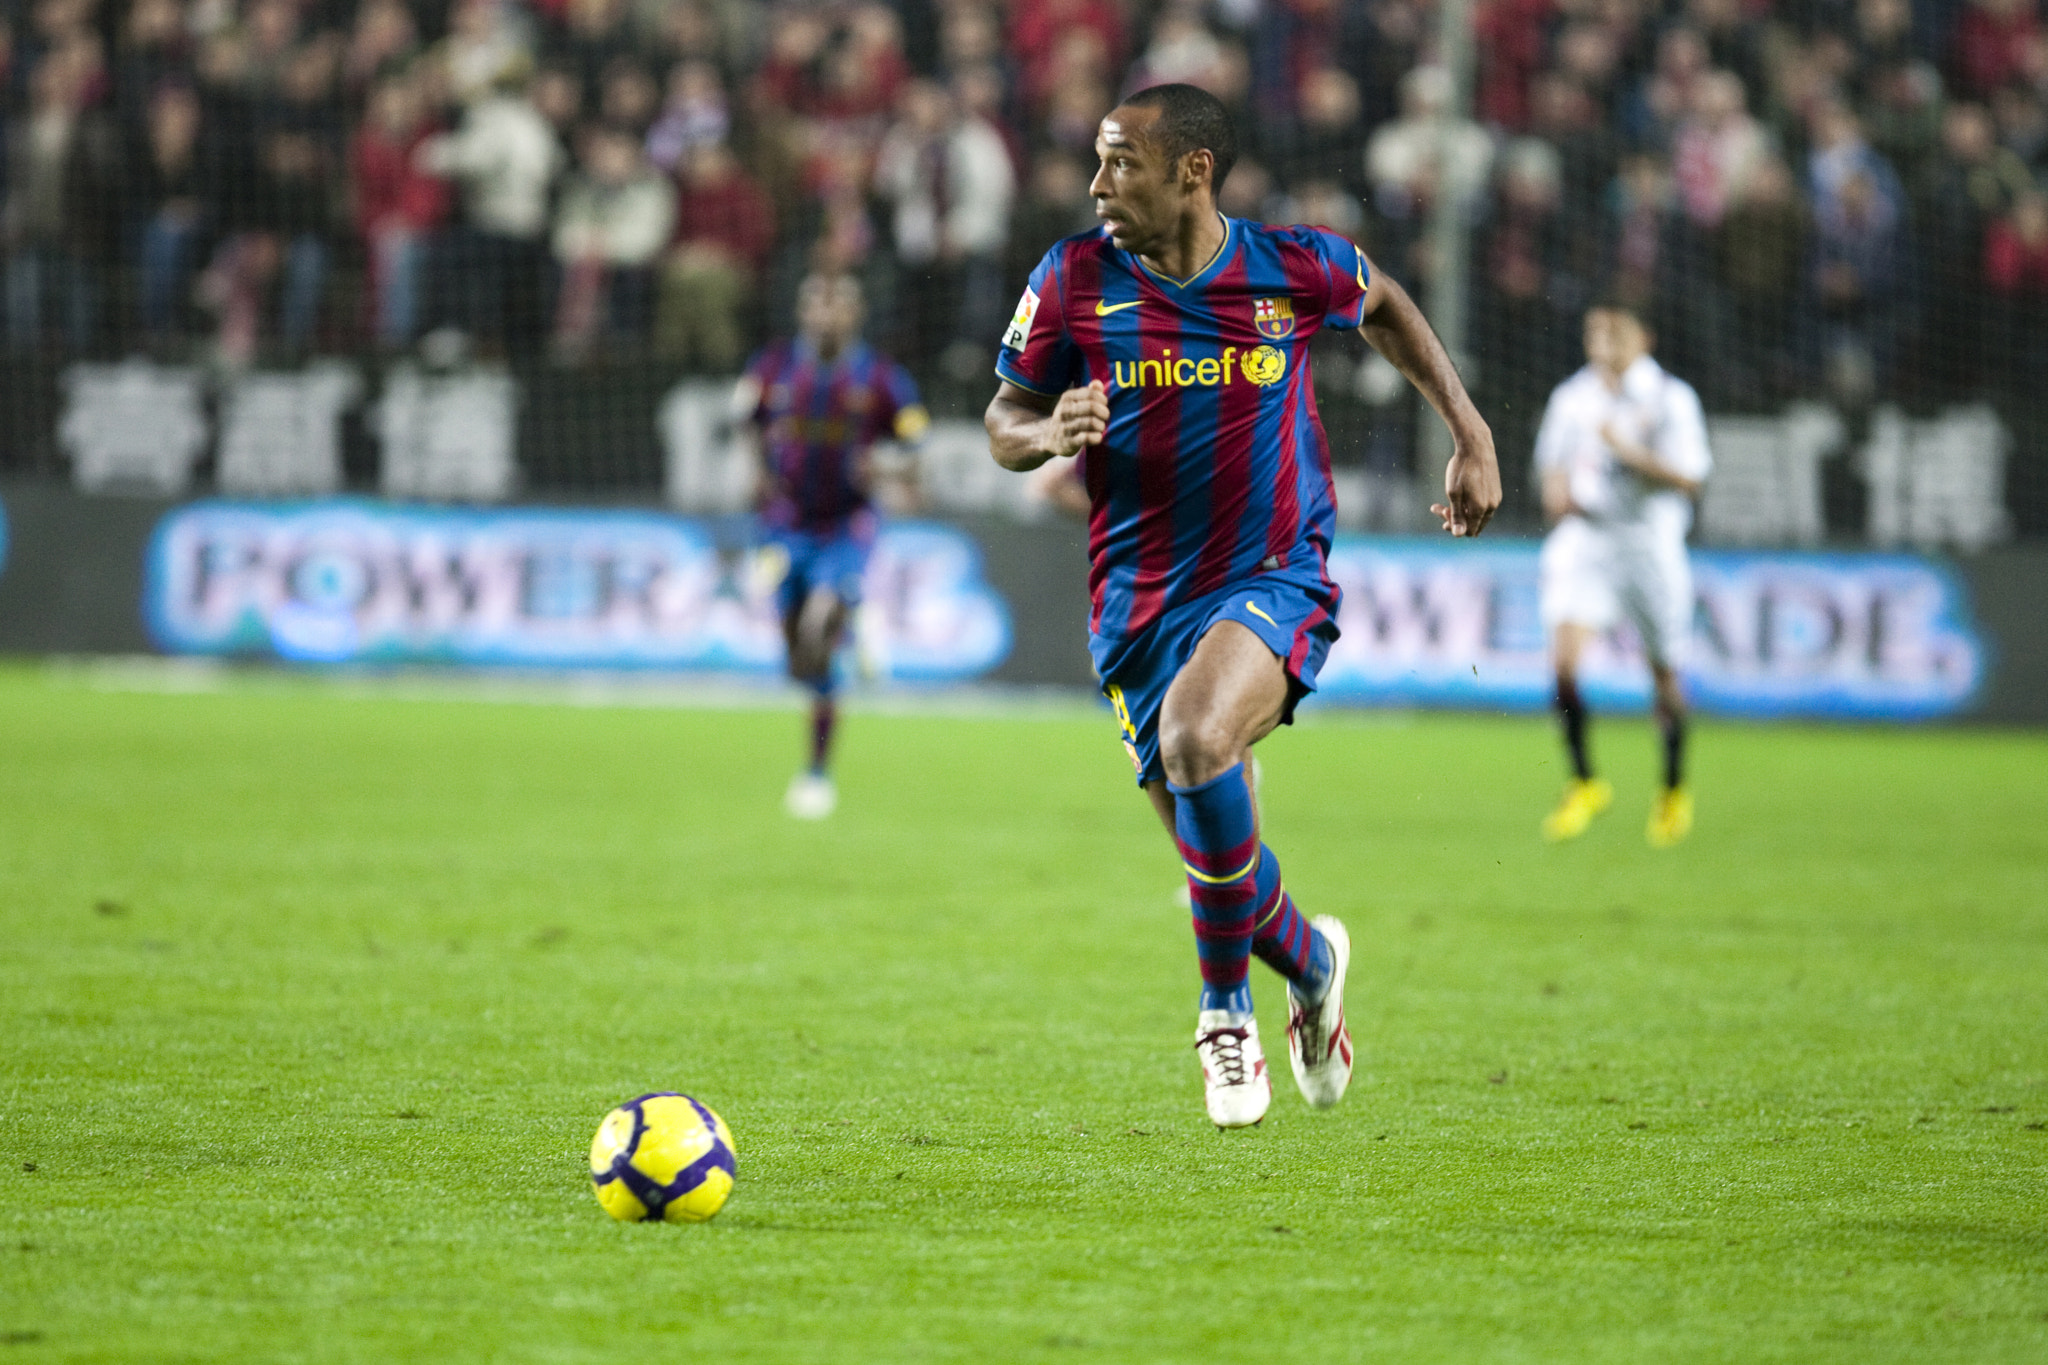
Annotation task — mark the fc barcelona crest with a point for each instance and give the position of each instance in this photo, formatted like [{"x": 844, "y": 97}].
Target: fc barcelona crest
[{"x": 1274, "y": 318}]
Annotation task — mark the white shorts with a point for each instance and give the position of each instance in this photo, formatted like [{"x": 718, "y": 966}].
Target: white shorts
[{"x": 1597, "y": 576}]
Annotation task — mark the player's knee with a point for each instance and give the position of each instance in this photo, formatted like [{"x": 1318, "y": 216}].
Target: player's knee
[{"x": 1195, "y": 749}]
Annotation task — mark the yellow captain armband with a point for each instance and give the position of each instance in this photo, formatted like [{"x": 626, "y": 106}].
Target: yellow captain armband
[{"x": 912, "y": 423}]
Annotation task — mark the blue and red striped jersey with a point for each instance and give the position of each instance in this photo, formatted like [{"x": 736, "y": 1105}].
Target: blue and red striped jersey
[
  {"x": 819, "y": 419},
  {"x": 1215, "y": 467}
]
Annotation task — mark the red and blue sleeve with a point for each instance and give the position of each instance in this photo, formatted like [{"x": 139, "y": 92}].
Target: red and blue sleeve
[
  {"x": 1346, "y": 273},
  {"x": 1037, "y": 352}
]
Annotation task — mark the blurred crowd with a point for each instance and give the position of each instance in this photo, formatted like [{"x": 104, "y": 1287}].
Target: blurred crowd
[{"x": 1837, "y": 196}]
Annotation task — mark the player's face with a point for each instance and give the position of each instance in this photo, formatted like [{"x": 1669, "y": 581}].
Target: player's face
[
  {"x": 829, "y": 312},
  {"x": 1614, "y": 340},
  {"x": 1137, "y": 190}
]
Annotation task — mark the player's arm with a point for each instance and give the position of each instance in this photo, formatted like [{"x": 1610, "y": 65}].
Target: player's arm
[
  {"x": 1552, "y": 472},
  {"x": 744, "y": 412},
  {"x": 1643, "y": 461},
  {"x": 1678, "y": 455},
  {"x": 1395, "y": 328},
  {"x": 1026, "y": 429},
  {"x": 894, "y": 463},
  {"x": 1557, "y": 495}
]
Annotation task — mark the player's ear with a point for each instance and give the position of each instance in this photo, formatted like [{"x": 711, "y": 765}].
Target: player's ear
[{"x": 1197, "y": 167}]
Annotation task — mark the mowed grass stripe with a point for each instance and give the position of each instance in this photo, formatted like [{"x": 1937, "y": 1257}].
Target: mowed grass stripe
[{"x": 309, "y": 1005}]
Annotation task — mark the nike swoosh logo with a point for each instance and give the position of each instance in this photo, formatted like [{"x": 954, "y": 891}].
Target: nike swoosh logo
[
  {"x": 1103, "y": 308},
  {"x": 1253, "y": 608}
]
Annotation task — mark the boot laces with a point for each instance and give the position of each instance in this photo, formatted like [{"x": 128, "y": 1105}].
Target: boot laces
[{"x": 1224, "y": 1048}]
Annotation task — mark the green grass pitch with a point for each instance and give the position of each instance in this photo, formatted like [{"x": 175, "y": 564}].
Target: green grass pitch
[{"x": 311, "y": 999}]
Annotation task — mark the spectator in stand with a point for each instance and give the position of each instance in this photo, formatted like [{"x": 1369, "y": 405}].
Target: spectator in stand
[
  {"x": 1055, "y": 204},
  {"x": 1073, "y": 115},
  {"x": 1715, "y": 148},
  {"x": 710, "y": 280},
  {"x": 154, "y": 52},
  {"x": 1526, "y": 299},
  {"x": 63, "y": 168},
  {"x": 594, "y": 34},
  {"x": 1568, "y": 118},
  {"x": 484, "y": 47},
  {"x": 1291, "y": 38},
  {"x": 1511, "y": 37},
  {"x": 1044, "y": 34},
  {"x": 2016, "y": 280},
  {"x": 694, "y": 115},
  {"x": 385, "y": 41},
  {"x": 2022, "y": 124},
  {"x": 971, "y": 40},
  {"x": 1248, "y": 194},
  {"x": 1428, "y": 150},
  {"x": 1857, "y": 265},
  {"x": 1325, "y": 144},
  {"x": 950, "y": 181},
  {"x": 629, "y": 98},
  {"x": 1641, "y": 203},
  {"x": 1668, "y": 94},
  {"x": 864, "y": 69},
  {"x": 1903, "y": 118},
  {"x": 1761, "y": 246},
  {"x": 281, "y": 237},
  {"x": 616, "y": 215},
  {"x": 557, "y": 96},
  {"x": 1735, "y": 42},
  {"x": 399, "y": 208},
  {"x": 505, "y": 158},
  {"x": 1974, "y": 181},
  {"x": 1181, "y": 50},
  {"x": 1990, "y": 44},
  {"x": 271, "y": 30},
  {"x": 1589, "y": 56},
  {"x": 166, "y": 212}
]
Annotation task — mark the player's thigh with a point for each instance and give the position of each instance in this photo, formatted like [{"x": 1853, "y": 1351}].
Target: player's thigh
[
  {"x": 1656, "y": 594},
  {"x": 1231, "y": 694},
  {"x": 1574, "y": 576}
]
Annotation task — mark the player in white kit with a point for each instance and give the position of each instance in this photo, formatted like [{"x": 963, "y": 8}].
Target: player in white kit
[{"x": 1622, "y": 453}]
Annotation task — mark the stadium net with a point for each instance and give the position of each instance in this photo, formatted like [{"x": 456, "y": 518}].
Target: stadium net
[{"x": 494, "y": 249}]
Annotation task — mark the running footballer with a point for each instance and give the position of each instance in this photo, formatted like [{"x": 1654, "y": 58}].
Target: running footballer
[{"x": 1172, "y": 345}]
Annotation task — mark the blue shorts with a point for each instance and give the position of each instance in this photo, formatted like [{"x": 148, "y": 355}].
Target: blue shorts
[
  {"x": 1294, "y": 615},
  {"x": 836, "y": 560}
]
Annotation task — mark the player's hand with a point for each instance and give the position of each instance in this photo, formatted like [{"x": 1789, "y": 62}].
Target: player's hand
[
  {"x": 1627, "y": 453},
  {"x": 1471, "y": 486},
  {"x": 1080, "y": 419}
]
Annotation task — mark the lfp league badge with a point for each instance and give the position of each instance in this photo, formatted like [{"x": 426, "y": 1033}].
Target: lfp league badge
[{"x": 1274, "y": 318}]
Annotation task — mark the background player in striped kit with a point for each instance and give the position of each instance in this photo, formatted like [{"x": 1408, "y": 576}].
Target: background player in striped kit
[
  {"x": 1172, "y": 344},
  {"x": 1622, "y": 453},
  {"x": 820, "y": 404}
]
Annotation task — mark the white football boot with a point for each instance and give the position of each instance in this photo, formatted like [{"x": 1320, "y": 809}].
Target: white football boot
[
  {"x": 811, "y": 796},
  {"x": 1235, "y": 1085},
  {"x": 1318, "y": 1043}
]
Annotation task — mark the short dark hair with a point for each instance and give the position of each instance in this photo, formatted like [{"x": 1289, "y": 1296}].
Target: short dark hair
[
  {"x": 1190, "y": 120},
  {"x": 1624, "y": 304}
]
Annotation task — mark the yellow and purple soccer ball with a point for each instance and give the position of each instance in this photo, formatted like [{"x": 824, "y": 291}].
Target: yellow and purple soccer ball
[{"x": 662, "y": 1157}]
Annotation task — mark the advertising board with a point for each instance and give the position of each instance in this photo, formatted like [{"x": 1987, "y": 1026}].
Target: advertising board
[
  {"x": 378, "y": 583},
  {"x": 1879, "y": 636}
]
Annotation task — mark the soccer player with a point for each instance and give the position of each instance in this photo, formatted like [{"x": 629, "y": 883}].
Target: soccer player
[
  {"x": 1172, "y": 344},
  {"x": 1621, "y": 453},
  {"x": 820, "y": 404}
]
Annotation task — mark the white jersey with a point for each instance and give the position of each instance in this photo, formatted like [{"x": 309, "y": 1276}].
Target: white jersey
[
  {"x": 1652, "y": 408},
  {"x": 1623, "y": 556}
]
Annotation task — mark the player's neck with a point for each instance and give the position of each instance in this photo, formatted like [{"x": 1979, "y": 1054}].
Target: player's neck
[{"x": 1192, "y": 246}]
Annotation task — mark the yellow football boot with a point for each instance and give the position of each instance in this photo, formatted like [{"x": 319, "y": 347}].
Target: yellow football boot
[
  {"x": 1582, "y": 801},
  {"x": 1670, "y": 817}
]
